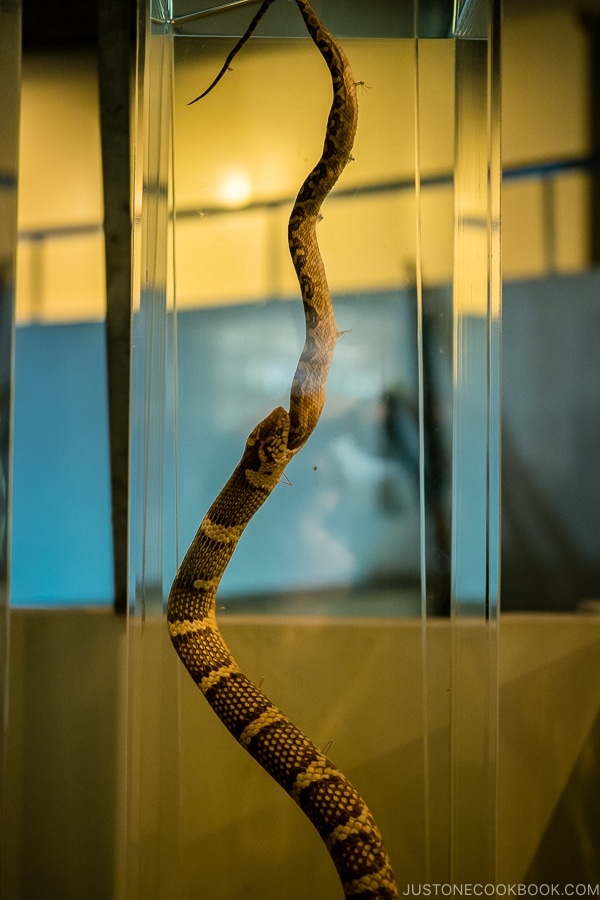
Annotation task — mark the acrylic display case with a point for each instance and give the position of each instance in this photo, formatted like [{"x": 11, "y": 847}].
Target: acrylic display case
[{"x": 363, "y": 596}]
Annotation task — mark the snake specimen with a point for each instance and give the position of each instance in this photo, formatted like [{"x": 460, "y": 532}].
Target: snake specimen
[{"x": 309, "y": 777}]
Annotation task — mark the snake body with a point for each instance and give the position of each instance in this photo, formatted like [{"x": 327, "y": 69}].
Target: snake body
[{"x": 309, "y": 777}]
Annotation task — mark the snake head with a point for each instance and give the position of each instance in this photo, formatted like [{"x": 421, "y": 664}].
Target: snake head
[{"x": 268, "y": 442}]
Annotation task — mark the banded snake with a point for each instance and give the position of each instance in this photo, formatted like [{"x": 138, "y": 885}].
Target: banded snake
[{"x": 324, "y": 794}]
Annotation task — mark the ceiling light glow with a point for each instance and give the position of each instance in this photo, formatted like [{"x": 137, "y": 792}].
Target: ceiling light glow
[{"x": 236, "y": 189}]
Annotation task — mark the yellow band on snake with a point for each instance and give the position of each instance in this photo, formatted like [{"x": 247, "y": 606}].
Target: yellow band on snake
[{"x": 328, "y": 799}]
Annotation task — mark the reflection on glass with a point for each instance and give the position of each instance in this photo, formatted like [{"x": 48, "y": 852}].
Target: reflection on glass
[{"x": 381, "y": 541}]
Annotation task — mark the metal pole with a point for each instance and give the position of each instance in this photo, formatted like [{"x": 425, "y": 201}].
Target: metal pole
[{"x": 114, "y": 42}]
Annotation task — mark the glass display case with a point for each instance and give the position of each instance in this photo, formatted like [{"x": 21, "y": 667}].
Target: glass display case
[{"x": 363, "y": 595}]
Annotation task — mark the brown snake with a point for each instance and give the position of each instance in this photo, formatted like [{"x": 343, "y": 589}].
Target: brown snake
[{"x": 309, "y": 777}]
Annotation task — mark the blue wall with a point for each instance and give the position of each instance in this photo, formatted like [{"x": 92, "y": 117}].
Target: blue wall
[
  {"x": 61, "y": 535},
  {"x": 227, "y": 382},
  {"x": 368, "y": 528}
]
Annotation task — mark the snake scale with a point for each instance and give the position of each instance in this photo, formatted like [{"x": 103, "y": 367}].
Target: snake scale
[{"x": 324, "y": 794}]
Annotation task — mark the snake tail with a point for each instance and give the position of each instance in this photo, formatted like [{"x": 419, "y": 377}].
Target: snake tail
[
  {"x": 325, "y": 795},
  {"x": 225, "y": 67}
]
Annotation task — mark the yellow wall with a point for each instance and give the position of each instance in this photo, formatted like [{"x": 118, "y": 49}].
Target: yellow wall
[
  {"x": 544, "y": 117},
  {"x": 60, "y": 185},
  {"x": 268, "y": 131},
  {"x": 243, "y": 256}
]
